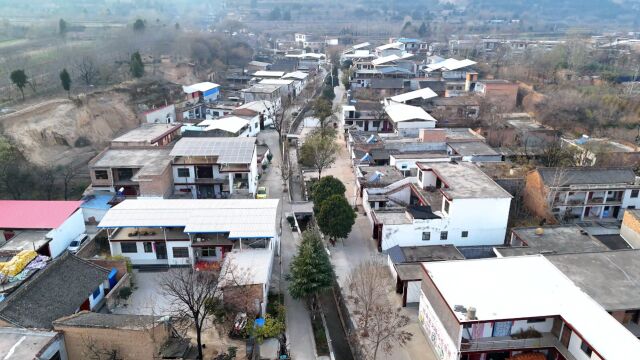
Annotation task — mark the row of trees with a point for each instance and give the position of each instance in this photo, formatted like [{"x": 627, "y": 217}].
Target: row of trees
[{"x": 86, "y": 71}]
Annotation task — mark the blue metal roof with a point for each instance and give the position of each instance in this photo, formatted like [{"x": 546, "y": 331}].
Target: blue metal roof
[{"x": 100, "y": 202}]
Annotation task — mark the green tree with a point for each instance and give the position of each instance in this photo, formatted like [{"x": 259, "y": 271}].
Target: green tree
[
  {"x": 19, "y": 79},
  {"x": 310, "y": 270},
  {"x": 139, "y": 25},
  {"x": 322, "y": 110},
  {"x": 423, "y": 31},
  {"x": 324, "y": 189},
  {"x": 136, "y": 66},
  {"x": 62, "y": 27},
  {"x": 272, "y": 327},
  {"x": 318, "y": 152},
  {"x": 336, "y": 217},
  {"x": 65, "y": 79}
]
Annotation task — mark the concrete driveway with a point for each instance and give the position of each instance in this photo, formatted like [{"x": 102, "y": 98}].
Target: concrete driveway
[{"x": 147, "y": 297}]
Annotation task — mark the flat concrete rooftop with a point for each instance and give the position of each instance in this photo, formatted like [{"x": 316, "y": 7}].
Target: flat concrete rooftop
[
  {"x": 147, "y": 133},
  {"x": 24, "y": 344},
  {"x": 561, "y": 239},
  {"x": 465, "y": 180},
  {"x": 611, "y": 278},
  {"x": 151, "y": 161}
]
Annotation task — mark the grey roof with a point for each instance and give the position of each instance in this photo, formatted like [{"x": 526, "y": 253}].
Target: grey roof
[
  {"x": 108, "y": 321},
  {"x": 387, "y": 83},
  {"x": 467, "y": 148},
  {"x": 560, "y": 239},
  {"x": 416, "y": 254},
  {"x": 57, "y": 290},
  {"x": 614, "y": 241},
  {"x": 408, "y": 272},
  {"x": 586, "y": 175},
  {"x": 147, "y": 133},
  {"x": 611, "y": 278},
  {"x": 228, "y": 150},
  {"x": 151, "y": 161},
  {"x": 465, "y": 180},
  {"x": 18, "y": 343}
]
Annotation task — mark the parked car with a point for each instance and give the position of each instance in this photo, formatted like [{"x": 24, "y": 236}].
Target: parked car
[
  {"x": 262, "y": 192},
  {"x": 77, "y": 243}
]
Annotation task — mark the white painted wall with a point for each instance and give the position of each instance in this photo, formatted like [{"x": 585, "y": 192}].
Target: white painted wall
[
  {"x": 413, "y": 292},
  {"x": 65, "y": 233},
  {"x": 253, "y": 175},
  {"x": 57, "y": 346},
  {"x": 524, "y": 325},
  {"x": 163, "y": 115},
  {"x": 97, "y": 214},
  {"x": 441, "y": 343},
  {"x": 484, "y": 219},
  {"x": 574, "y": 348}
]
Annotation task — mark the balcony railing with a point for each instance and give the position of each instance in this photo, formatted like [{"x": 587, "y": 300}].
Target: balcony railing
[{"x": 547, "y": 340}]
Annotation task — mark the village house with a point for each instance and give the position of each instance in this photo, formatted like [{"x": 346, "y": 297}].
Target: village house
[
  {"x": 47, "y": 227},
  {"x": 463, "y": 320},
  {"x": 602, "y": 151},
  {"x": 445, "y": 204},
  {"x": 287, "y": 86},
  {"x": 126, "y": 336},
  {"x": 581, "y": 193},
  {"x": 502, "y": 94},
  {"x": 214, "y": 167},
  {"x": 148, "y": 135},
  {"x": 254, "y": 66},
  {"x": 239, "y": 235},
  {"x": 202, "y": 92},
  {"x": 226, "y": 126},
  {"x": 162, "y": 115},
  {"x": 407, "y": 120},
  {"x": 406, "y": 269},
  {"x": 131, "y": 172},
  {"x": 262, "y": 92},
  {"x": 63, "y": 287},
  {"x": 366, "y": 116}
]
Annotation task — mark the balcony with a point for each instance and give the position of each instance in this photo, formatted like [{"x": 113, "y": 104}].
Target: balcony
[{"x": 547, "y": 341}]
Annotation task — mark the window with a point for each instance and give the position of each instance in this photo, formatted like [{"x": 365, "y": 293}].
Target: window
[
  {"x": 376, "y": 124},
  {"x": 96, "y": 293},
  {"x": 208, "y": 252},
  {"x": 586, "y": 349},
  {"x": 444, "y": 235},
  {"x": 124, "y": 174},
  {"x": 419, "y": 175},
  {"x": 446, "y": 206},
  {"x": 180, "y": 252},
  {"x": 426, "y": 236},
  {"x": 536, "y": 320},
  {"x": 465, "y": 234},
  {"x": 634, "y": 193},
  {"x": 184, "y": 172},
  {"x": 148, "y": 247},
  {"x": 130, "y": 248},
  {"x": 101, "y": 174},
  {"x": 631, "y": 207}
]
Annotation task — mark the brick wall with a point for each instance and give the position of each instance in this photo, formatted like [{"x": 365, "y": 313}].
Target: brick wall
[
  {"x": 160, "y": 186},
  {"x": 630, "y": 229},
  {"x": 129, "y": 344}
]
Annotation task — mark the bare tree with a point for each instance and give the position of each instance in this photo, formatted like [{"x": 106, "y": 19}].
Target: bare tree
[
  {"x": 93, "y": 351},
  {"x": 190, "y": 294},
  {"x": 87, "y": 70},
  {"x": 386, "y": 330},
  {"x": 67, "y": 175},
  {"x": 368, "y": 286}
]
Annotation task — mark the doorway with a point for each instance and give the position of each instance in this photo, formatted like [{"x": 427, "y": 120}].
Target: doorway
[{"x": 161, "y": 251}]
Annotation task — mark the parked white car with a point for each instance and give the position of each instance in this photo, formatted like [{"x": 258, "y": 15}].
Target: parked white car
[{"x": 77, "y": 243}]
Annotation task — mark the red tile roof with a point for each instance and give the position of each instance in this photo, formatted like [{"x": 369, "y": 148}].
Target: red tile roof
[{"x": 34, "y": 214}]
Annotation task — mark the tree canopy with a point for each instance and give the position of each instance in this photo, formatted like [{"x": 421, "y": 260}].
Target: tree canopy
[
  {"x": 336, "y": 217},
  {"x": 318, "y": 152},
  {"x": 324, "y": 189},
  {"x": 62, "y": 27},
  {"x": 136, "y": 65},
  {"x": 310, "y": 270},
  {"x": 65, "y": 80},
  {"x": 19, "y": 79},
  {"x": 139, "y": 25}
]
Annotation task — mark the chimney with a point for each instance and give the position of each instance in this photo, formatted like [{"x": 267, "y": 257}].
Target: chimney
[{"x": 432, "y": 135}]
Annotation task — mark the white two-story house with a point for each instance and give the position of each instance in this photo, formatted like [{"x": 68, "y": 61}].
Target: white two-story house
[{"x": 447, "y": 203}]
